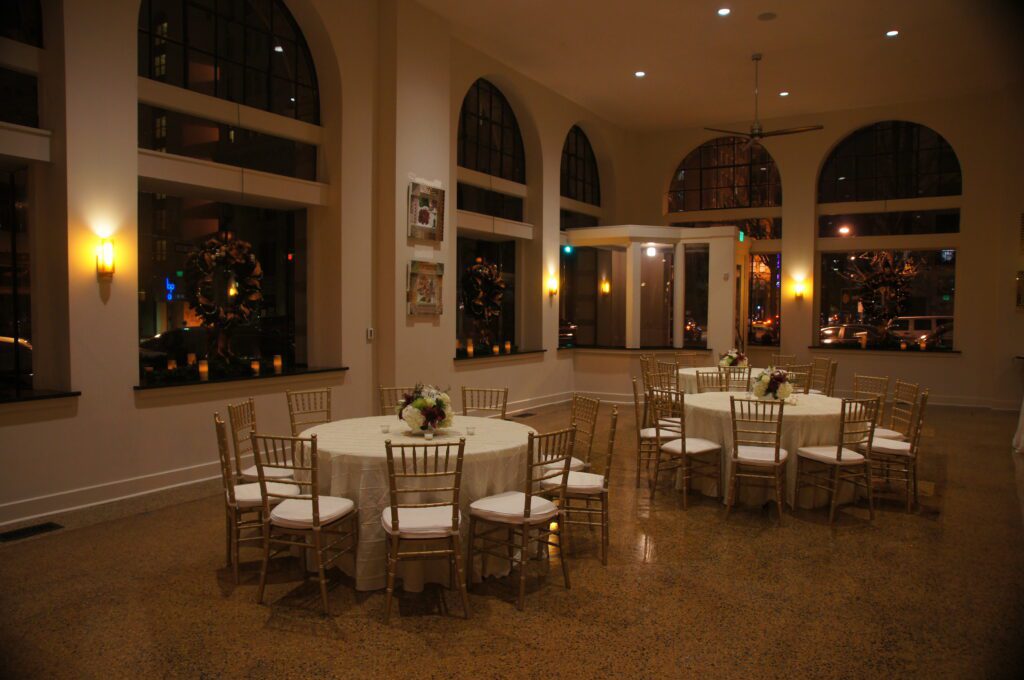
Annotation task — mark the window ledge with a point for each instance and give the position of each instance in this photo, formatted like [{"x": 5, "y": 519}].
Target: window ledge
[
  {"x": 602, "y": 349},
  {"x": 220, "y": 381},
  {"x": 37, "y": 395},
  {"x": 904, "y": 352},
  {"x": 500, "y": 357}
]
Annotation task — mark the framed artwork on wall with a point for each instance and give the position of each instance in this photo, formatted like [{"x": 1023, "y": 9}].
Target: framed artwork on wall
[
  {"x": 424, "y": 290},
  {"x": 426, "y": 212}
]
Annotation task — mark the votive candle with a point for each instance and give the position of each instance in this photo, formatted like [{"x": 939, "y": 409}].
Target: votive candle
[
  {"x": 496, "y": 350},
  {"x": 469, "y": 349},
  {"x": 191, "y": 358},
  {"x": 204, "y": 370},
  {"x": 278, "y": 366},
  {"x": 508, "y": 347},
  {"x": 255, "y": 365},
  {"x": 172, "y": 364}
]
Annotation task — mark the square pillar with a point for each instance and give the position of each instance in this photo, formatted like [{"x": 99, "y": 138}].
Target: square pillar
[
  {"x": 679, "y": 295},
  {"x": 633, "y": 280}
]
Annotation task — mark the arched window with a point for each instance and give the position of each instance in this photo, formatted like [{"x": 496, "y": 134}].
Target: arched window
[
  {"x": 580, "y": 180},
  {"x": 888, "y": 160},
  {"x": 489, "y": 138},
  {"x": 245, "y": 51},
  {"x": 726, "y": 172},
  {"x": 900, "y": 297}
]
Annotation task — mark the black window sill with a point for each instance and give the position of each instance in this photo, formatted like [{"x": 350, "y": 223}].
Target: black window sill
[
  {"x": 503, "y": 355},
  {"x": 619, "y": 348},
  {"x": 35, "y": 395},
  {"x": 882, "y": 350},
  {"x": 195, "y": 382}
]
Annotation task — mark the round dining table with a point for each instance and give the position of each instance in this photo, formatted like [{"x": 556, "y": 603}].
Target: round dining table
[
  {"x": 688, "y": 377},
  {"x": 353, "y": 464},
  {"x": 807, "y": 420}
]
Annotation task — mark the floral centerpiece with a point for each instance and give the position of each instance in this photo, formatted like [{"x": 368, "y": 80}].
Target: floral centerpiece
[
  {"x": 733, "y": 357},
  {"x": 426, "y": 408},
  {"x": 773, "y": 383}
]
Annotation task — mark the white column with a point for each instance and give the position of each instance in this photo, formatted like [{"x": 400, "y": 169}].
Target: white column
[
  {"x": 633, "y": 279},
  {"x": 721, "y": 294},
  {"x": 679, "y": 295}
]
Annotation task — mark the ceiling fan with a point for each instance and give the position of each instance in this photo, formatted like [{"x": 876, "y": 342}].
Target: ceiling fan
[{"x": 756, "y": 131}]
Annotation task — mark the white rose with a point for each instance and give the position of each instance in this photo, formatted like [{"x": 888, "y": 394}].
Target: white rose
[
  {"x": 412, "y": 417},
  {"x": 759, "y": 389},
  {"x": 785, "y": 390}
]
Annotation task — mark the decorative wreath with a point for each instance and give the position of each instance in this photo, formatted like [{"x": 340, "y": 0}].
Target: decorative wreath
[
  {"x": 483, "y": 290},
  {"x": 219, "y": 253}
]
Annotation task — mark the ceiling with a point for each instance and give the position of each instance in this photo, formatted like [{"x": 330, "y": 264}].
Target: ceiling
[{"x": 830, "y": 55}]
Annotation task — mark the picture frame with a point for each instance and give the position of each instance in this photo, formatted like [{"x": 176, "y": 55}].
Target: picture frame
[
  {"x": 424, "y": 290},
  {"x": 426, "y": 212}
]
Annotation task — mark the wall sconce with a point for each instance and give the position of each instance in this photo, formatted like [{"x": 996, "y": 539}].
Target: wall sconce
[
  {"x": 798, "y": 290},
  {"x": 552, "y": 285},
  {"x": 105, "y": 260},
  {"x": 606, "y": 286},
  {"x": 651, "y": 251}
]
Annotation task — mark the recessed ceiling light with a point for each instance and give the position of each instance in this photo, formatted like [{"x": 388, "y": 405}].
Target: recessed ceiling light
[
  {"x": 278, "y": 48},
  {"x": 639, "y": 74},
  {"x": 784, "y": 93},
  {"x": 892, "y": 34},
  {"x": 724, "y": 12}
]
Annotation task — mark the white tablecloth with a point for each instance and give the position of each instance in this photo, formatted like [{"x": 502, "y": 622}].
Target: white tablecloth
[
  {"x": 688, "y": 377},
  {"x": 812, "y": 421},
  {"x": 353, "y": 464}
]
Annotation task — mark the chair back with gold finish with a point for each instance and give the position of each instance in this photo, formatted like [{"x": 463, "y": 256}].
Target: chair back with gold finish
[
  {"x": 821, "y": 368},
  {"x": 308, "y": 407},
  {"x": 229, "y": 473},
  {"x": 779, "y": 360},
  {"x": 735, "y": 378},
  {"x": 688, "y": 359},
  {"x": 872, "y": 387},
  {"x": 799, "y": 376},
  {"x": 391, "y": 398},
  {"x": 295, "y": 454},
  {"x": 758, "y": 423},
  {"x": 610, "y": 451},
  {"x": 856, "y": 426},
  {"x": 583, "y": 416},
  {"x": 917, "y": 428},
  {"x": 904, "y": 406},
  {"x": 488, "y": 400},
  {"x": 831, "y": 386},
  {"x": 242, "y": 417},
  {"x": 647, "y": 367},
  {"x": 668, "y": 416},
  {"x": 664, "y": 380},
  {"x": 422, "y": 477},
  {"x": 710, "y": 381}
]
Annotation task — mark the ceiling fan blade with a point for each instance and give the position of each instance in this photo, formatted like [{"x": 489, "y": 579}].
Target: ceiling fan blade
[
  {"x": 792, "y": 131},
  {"x": 729, "y": 132}
]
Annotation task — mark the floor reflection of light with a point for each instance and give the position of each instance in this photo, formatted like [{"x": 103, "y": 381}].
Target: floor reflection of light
[{"x": 645, "y": 546}]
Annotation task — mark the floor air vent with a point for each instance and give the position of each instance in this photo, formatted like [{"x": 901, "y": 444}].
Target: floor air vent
[{"x": 28, "y": 532}]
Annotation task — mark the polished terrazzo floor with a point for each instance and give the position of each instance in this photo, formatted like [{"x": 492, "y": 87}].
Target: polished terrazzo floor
[{"x": 937, "y": 593}]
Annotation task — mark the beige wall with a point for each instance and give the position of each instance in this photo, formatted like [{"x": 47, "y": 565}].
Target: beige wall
[{"x": 390, "y": 109}]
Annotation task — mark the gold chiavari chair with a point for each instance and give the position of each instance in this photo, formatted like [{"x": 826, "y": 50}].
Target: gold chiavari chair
[
  {"x": 391, "y": 398},
  {"x": 779, "y": 360},
  {"x": 648, "y": 364},
  {"x": 688, "y": 359},
  {"x": 646, "y": 437},
  {"x": 872, "y": 387},
  {"x": 584, "y": 488},
  {"x": 710, "y": 381},
  {"x": 242, "y": 502},
  {"x": 901, "y": 413},
  {"x": 691, "y": 456},
  {"x": 831, "y": 388},
  {"x": 416, "y": 471},
  {"x": 328, "y": 526},
  {"x": 826, "y": 467},
  {"x": 583, "y": 416},
  {"x": 735, "y": 378},
  {"x": 821, "y": 369},
  {"x": 757, "y": 451},
  {"x": 242, "y": 417},
  {"x": 489, "y": 400},
  {"x": 308, "y": 407},
  {"x": 665, "y": 380},
  {"x": 897, "y": 460},
  {"x": 504, "y": 524},
  {"x": 800, "y": 376}
]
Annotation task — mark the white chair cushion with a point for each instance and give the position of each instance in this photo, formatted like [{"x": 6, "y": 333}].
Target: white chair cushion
[
  {"x": 652, "y": 433},
  {"x": 248, "y": 495},
  {"x": 507, "y": 508},
  {"x": 890, "y": 446},
  {"x": 886, "y": 433},
  {"x": 574, "y": 464},
  {"x": 579, "y": 482},
  {"x": 694, "y": 446},
  {"x": 250, "y": 474},
  {"x": 433, "y": 522},
  {"x": 827, "y": 454},
  {"x": 297, "y": 513},
  {"x": 759, "y": 455}
]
